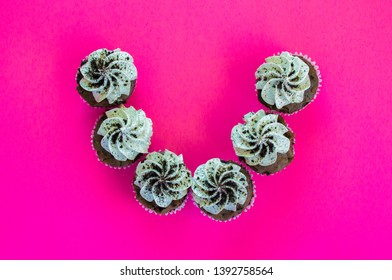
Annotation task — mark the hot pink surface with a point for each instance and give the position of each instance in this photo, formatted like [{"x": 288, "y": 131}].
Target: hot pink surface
[{"x": 196, "y": 62}]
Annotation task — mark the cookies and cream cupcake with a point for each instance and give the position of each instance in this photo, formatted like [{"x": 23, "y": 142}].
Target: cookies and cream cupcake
[
  {"x": 121, "y": 136},
  {"x": 162, "y": 182},
  {"x": 263, "y": 142},
  {"x": 222, "y": 189},
  {"x": 287, "y": 82},
  {"x": 106, "y": 78}
]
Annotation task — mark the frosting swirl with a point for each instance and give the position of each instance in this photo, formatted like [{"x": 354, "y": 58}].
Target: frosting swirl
[
  {"x": 219, "y": 186},
  {"x": 162, "y": 178},
  {"x": 126, "y": 133},
  {"x": 260, "y": 139},
  {"x": 283, "y": 80},
  {"x": 108, "y": 74}
]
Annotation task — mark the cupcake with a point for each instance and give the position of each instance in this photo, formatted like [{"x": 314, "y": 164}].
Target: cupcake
[
  {"x": 106, "y": 78},
  {"x": 121, "y": 136},
  {"x": 264, "y": 142},
  {"x": 161, "y": 182},
  {"x": 222, "y": 189},
  {"x": 287, "y": 83}
]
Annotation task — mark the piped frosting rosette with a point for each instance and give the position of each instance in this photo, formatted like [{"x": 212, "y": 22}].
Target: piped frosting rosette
[
  {"x": 162, "y": 181},
  {"x": 261, "y": 139},
  {"x": 285, "y": 80},
  {"x": 222, "y": 189},
  {"x": 126, "y": 133},
  {"x": 108, "y": 75}
]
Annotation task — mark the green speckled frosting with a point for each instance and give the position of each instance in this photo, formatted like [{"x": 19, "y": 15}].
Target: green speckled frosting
[
  {"x": 108, "y": 74},
  {"x": 126, "y": 133},
  {"x": 162, "y": 178},
  {"x": 219, "y": 186},
  {"x": 260, "y": 139},
  {"x": 283, "y": 80}
]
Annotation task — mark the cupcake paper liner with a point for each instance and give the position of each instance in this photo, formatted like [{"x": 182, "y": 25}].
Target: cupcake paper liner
[
  {"x": 174, "y": 211},
  {"x": 318, "y": 88},
  {"x": 250, "y": 170},
  {"x": 252, "y": 201},
  {"x": 96, "y": 153}
]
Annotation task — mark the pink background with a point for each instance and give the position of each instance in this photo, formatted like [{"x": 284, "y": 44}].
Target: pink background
[{"x": 196, "y": 63}]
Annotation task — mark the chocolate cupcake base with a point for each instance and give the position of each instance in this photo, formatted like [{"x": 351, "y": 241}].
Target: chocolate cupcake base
[
  {"x": 89, "y": 98},
  {"x": 103, "y": 155},
  {"x": 309, "y": 94},
  {"x": 282, "y": 161},
  {"x": 227, "y": 215},
  {"x": 175, "y": 206}
]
